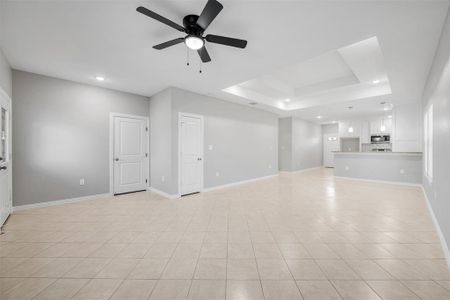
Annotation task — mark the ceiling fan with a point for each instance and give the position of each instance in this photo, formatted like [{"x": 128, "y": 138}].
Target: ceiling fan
[{"x": 194, "y": 27}]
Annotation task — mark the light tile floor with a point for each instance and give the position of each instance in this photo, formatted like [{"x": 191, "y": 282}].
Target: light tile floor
[{"x": 297, "y": 236}]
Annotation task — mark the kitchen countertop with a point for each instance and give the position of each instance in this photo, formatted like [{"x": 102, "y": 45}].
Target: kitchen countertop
[{"x": 379, "y": 153}]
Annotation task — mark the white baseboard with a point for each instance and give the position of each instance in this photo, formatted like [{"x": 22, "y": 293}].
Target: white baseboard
[
  {"x": 438, "y": 229},
  {"x": 217, "y": 187},
  {"x": 164, "y": 194},
  {"x": 380, "y": 181},
  {"x": 59, "y": 202},
  {"x": 303, "y": 170}
]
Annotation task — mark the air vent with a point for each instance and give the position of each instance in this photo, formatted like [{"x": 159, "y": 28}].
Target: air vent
[{"x": 253, "y": 103}]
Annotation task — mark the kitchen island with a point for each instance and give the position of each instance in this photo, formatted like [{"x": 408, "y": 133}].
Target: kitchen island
[{"x": 397, "y": 167}]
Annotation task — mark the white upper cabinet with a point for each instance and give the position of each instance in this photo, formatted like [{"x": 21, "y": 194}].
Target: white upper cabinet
[
  {"x": 365, "y": 132},
  {"x": 381, "y": 126}
]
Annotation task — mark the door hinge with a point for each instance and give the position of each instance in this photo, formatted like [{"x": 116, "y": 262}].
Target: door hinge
[
  {"x": 146, "y": 180},
  {"x": 146, "y": 154},
  {"x": 146, "y": 128}
]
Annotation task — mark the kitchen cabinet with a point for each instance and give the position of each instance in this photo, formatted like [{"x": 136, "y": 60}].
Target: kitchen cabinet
[
  {"x": 375, "y": 126},
  {"x": 365, "y": 132}
]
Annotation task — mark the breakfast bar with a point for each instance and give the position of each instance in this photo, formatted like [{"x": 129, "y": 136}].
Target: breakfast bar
[{"x": 398, "y": 167}]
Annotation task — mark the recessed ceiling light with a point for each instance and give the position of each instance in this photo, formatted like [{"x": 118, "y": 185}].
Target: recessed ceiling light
[
  {"x": 319, "y": 117},
  {"x": 287, "y": 100},
  {"x": 100, "y": 78},
  {"x": 334, "y": 122},
  {"x": 390, "y": 116},
  {"x": 376, "y": 81},
  {"x": 386, "y": 108}
]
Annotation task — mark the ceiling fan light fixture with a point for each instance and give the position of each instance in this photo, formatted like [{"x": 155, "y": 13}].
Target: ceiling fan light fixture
[{"x": 194, "y": 42}]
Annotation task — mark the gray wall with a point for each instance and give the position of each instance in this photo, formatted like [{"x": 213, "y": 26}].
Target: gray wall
[
  {"x": 285, "y": 144},
  {"x": 300, "y": 144},
  {"x": 437, "y": 92},
  {"x": 61, "y": 134},
  {"x": 407, "y": 130},
  {"x": 306, "y": 145},
  {"x": 244, "y": 139},
  {"x": 161, "y": 176},
  {"x": 5, "y": 75},
  {"x": 379, "y": 166},
  {"x": 330, "y": 129},
  {"x": 5, "y": 70}
]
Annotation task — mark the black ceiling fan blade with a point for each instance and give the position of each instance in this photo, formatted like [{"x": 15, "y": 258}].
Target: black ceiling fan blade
[
  {"x": 204, "y": 54},
  {"x": 168, "y": 44},
  {"x": 159, "y": 18},
  {"x": 209, "y": 13},
  {"x": 223, "y": 40}
]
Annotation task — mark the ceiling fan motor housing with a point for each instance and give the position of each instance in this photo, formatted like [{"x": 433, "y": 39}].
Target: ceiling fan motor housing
[{"x": 191, "y": 27}]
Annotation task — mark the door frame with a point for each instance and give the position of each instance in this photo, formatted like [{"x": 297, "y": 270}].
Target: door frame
[
  {"x": 113, "y": 115},
  {"x": 324, "y": 140},
  {"x": 202, "y": 129},
  {"x": 6, "y": 97}
]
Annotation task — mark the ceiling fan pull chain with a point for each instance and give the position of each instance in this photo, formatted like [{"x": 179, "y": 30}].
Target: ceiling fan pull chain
[
  {"x": 187, "y": 56},
  {"x": 200, "y": 68}
]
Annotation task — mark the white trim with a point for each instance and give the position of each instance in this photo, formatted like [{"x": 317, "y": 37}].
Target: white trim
[
  {"x": 181, "y": 114},
  {"x": 112, "y": 115},
  {"x": 218, "y": 187},
  {"x": 380, "y": 181},
  {"x": 303, "y": 170},
  {"x": 438, "y": 229},
  {"x": 7, "y": 98},
  {"x": 164, "y": 194},
  {"x": 59, "y": 202}
]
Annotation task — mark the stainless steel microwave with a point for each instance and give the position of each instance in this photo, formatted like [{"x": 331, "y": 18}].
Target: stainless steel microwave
[{"x": 379, "y": 139}]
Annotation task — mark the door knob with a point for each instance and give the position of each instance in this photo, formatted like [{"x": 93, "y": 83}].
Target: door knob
[
  {"x": 116, "y": 159},
  {"x": 3, "y": 168}
]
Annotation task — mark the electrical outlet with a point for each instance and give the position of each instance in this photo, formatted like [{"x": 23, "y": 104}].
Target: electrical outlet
[
  {"x": 402, "y": 171},
  {"x": 163, "y": 178},
  {"x": 270, "y": 166},
  {"x": 82, "y": 182},
  {"x": 347, "y": 168},
  {"x": 210, "y": 147},
  {"x": 217, "y": 174}
]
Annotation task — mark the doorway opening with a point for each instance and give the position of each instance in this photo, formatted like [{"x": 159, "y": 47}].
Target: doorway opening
[{"x": 330, "y": 144}]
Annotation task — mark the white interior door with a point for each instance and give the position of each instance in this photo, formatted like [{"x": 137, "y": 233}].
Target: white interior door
[
  {"x": 330, "y": 144},
  {"x": 5, "y": 158},
  {"x": 191, "y": 154},
  {"x": 130, "y": 155}
]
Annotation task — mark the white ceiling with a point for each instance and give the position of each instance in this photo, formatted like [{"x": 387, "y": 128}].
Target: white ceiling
[
  {"x": 78, "y": 40},
  {"x": 354, "y": 72}
]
